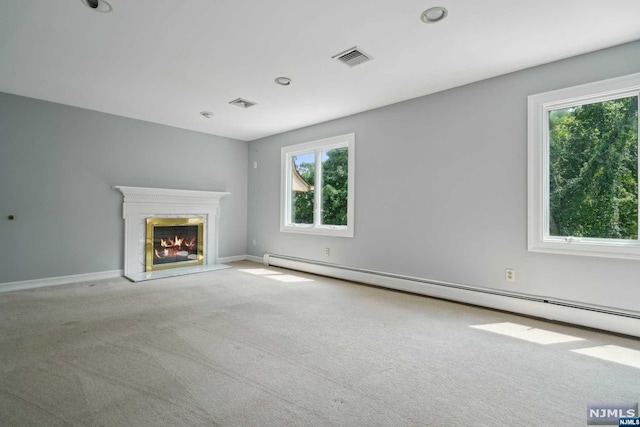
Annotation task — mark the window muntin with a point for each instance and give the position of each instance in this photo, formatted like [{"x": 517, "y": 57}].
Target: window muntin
[
  {"x": 318, "y": 187},
  {"x": 583, "y": 169}
]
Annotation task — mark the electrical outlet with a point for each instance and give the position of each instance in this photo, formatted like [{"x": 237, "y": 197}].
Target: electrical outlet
[
  {"x": 255, "y": 242},
  {"x": 327, "y": 252},
  {"x": 510, "y": 274}
]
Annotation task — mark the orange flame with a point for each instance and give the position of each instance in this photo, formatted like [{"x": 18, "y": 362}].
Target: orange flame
[{"x": 172, "y": 247}]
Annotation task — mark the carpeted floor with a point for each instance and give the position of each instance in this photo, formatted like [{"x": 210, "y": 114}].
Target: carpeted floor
[{"x": 239, "y": 347}]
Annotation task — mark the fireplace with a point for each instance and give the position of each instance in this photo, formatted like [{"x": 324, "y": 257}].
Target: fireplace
[
  {"x": 169, "y": 232},
  {"x": 173, "y": 242}
]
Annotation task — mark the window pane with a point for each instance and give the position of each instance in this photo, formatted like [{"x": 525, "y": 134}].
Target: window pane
[
  {"x": 593, "y": 170},
  {"x": 335, "y": 174},
  {"x": 302, "y": 191}
]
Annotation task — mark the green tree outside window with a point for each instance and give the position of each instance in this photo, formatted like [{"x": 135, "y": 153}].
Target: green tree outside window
[{"x": 593, "y": 170}]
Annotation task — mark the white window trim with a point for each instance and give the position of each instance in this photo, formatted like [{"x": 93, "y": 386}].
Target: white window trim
[
  {"x": 539, "y": 106},
  {"x": 287, "y": 153}
]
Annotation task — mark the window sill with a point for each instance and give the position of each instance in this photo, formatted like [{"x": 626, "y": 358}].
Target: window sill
[
  {"x": 621, "y": 250},
  {"x": 335, "y": 231}
]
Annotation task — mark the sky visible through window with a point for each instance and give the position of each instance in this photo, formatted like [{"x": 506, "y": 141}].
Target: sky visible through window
[{"x": 307, "y": 158}]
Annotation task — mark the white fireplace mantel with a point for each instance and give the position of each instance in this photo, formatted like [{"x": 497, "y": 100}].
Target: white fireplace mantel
[{"x": 141, "y": 203}]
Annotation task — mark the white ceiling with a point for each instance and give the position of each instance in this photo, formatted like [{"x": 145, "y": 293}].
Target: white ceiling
[{"x": 164, "y": 61}]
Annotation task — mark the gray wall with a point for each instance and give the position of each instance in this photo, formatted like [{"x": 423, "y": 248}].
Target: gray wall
[
  {"x": 57, "y": 168},
  {"x": 441, "y": 189}
]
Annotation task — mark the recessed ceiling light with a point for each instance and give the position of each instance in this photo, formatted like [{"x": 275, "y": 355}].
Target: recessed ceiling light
[
  {"x": 433, "y": 14},
  {"x": 283, "y": 81},
  {"x": 207, "y": 114},
  {"x": 98, "y": 5}
]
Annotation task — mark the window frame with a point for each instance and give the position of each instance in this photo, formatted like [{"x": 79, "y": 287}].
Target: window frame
[
  {"x": 318, "y": 146},
  {"x": 539, "y": 106}
]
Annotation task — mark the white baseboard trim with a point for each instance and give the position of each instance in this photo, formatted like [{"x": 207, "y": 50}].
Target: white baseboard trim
[
  {"x": 604, "y": 318},
  {"x": 236, "y": 258},
  {"x": 254, "y": 258},
  {"x": 62, "y": 280}
]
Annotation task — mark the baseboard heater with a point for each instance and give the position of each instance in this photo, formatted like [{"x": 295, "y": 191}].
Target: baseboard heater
[{"x": 592, "y": 316}]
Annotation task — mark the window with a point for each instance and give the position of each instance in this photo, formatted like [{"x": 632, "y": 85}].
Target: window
[
  {"x": 583, "y": 169},
  {"x": 318, "y": 187}
]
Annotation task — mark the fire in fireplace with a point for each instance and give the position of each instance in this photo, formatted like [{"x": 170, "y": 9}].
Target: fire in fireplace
[{"x": 174, "y": 242}]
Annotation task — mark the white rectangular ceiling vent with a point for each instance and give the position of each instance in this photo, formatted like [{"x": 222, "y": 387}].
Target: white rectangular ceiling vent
[
  {"x": 352, "y": 57},
  {"x": 242, "y": 103}
]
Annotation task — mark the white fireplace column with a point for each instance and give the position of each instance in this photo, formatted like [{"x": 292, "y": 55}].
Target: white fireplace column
[{"x": 141, "y": 203}]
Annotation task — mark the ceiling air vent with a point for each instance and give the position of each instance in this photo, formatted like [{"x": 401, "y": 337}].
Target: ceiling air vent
[
  {"x": 242, "y": 103},
  {"x": 352, "y": 57}
]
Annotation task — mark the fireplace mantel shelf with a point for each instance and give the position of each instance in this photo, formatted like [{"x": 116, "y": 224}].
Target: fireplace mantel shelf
[
  {"x": 143, "y": 202},
  {"x": 169, "y": 195}
]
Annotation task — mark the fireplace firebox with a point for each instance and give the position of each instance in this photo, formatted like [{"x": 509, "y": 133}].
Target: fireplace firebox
[{"x": 173, "y": 242}]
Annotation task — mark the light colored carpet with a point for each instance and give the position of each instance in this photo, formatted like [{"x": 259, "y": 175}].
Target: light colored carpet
[{"x": 232, "y": 348}]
